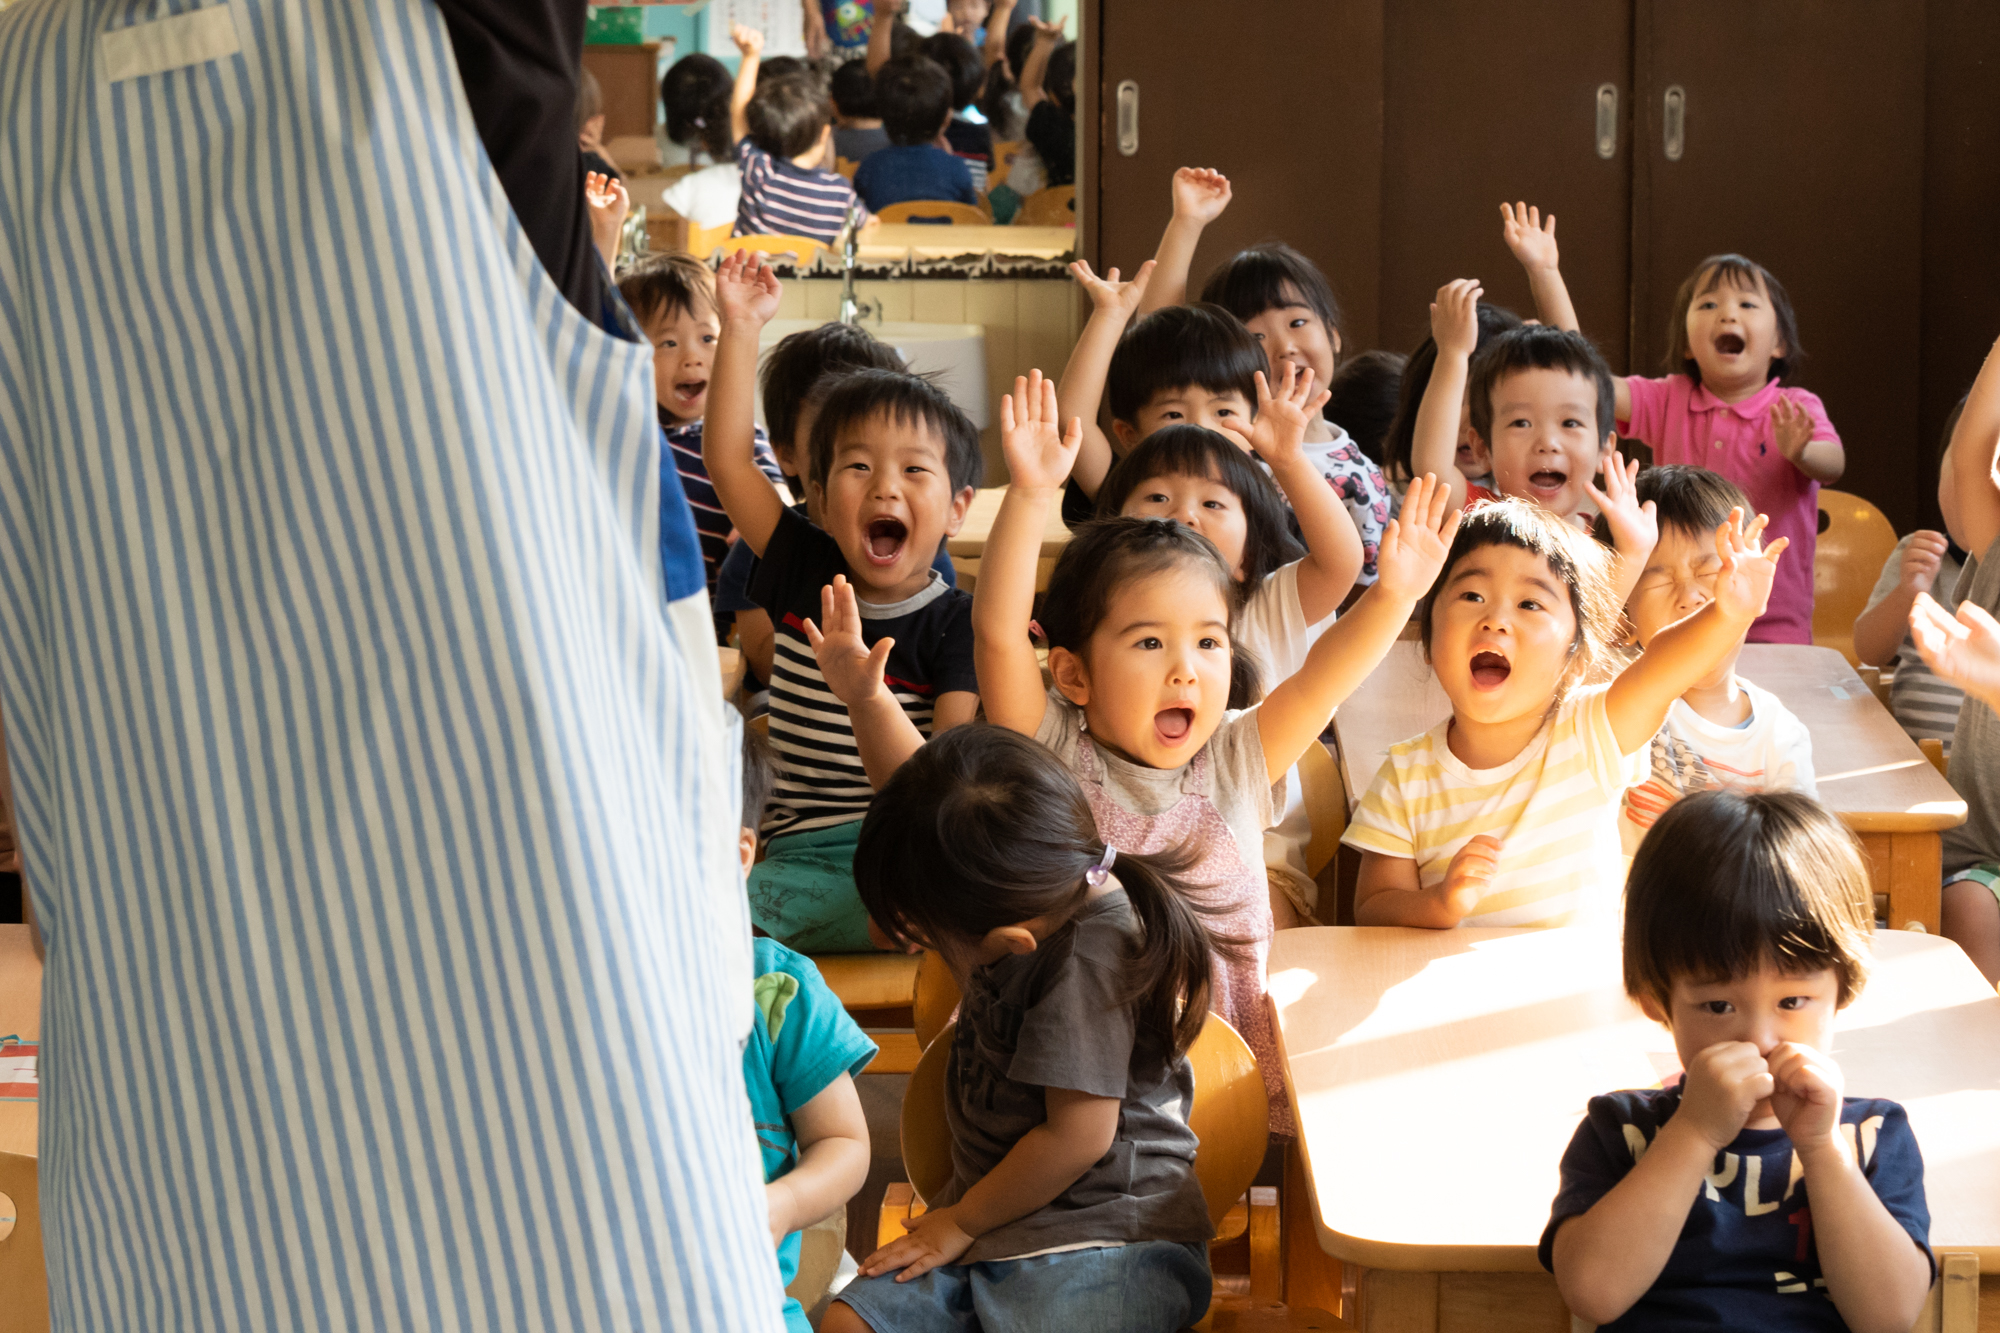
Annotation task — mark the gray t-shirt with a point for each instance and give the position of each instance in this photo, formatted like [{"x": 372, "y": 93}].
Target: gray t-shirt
[
  {"x": 1926, "y": 704},
  {"x": 1975, "y": 745},
  {"x": 1053, "y": 1019}
]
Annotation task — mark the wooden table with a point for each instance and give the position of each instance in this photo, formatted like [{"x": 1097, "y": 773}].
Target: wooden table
[
  {"x": 971, "y": 539},
  {"x": 1437, "y": 1077},
  {"x": 20, "y": 1016},
  {"x": 1868, "y": 770}
]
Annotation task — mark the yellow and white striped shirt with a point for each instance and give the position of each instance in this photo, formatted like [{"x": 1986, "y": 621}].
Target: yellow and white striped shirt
[{"x": 1554, "y": 808}]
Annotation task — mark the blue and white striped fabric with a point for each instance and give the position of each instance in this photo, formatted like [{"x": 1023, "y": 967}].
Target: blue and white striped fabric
[{"x": 380, "y": 821}]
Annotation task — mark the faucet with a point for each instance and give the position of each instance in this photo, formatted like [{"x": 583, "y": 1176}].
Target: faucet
[{"x": 852, "y": 310}]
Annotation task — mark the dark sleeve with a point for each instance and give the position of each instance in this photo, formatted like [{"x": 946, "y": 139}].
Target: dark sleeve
[
  {"x": 1589, "y": 1170},
  {"x": 798, "y": 561},
  {"x": 1077, "y": 1035},
  {"x": 954, "y": 670},
  {"x": 1053, "y": 133},
  {"x": 1077, "y": 508},
  {"x": 522, "y": 67},
  {"x": 1896, "y": 1169},
  {"x": 732, "y": 580}
]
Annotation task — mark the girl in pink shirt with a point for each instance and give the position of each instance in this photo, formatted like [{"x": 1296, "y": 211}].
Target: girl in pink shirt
[{"x": 1723, "y": 405}]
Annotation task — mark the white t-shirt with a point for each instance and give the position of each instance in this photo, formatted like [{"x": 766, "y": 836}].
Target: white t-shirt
[
  {"x": 1272, "y": 629},
  {"x": 1770, "y": 752},
  {"x": 707, "y": 198},
  {"x": 1554, "y": 808}
]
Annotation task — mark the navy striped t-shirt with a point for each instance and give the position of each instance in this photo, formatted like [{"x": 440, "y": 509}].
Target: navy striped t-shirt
[
  {"x": 683, "y": 455},
  {"x": 783, "y": 199}
]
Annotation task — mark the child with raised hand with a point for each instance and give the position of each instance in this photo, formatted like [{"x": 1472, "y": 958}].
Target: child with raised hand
[
  {"x": 783, "y": 132},
  {"x": 1469, "y": 454},
  {"x": 1506, "y": 812},
  {"x": 1722, "y": 404},
  {"x": 894, "y": 464},
  {"x": 1966, "y": 652},
  {"x": 1753, "y": 1193},
  {"x": 1139, "y": 616},
  {"x": 1085, "y": 970},
  {"x": 1725, "y": 731}
]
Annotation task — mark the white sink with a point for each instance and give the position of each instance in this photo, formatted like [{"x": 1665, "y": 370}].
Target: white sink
[{"x": 952, "y": 355}]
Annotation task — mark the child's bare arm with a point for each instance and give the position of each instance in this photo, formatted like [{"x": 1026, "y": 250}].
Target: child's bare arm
[
  {"x": 1039, "y": 457},
  {"x": 883, "y": 732},
  {"x": 758, "y": 639},
  {"x": 1684, "y": 652},
  {"x": 608, "y": 204},
  {"x": 832, "y": 1136},
  {"x": 998, "y": 20},
  {"x": 746, "y": 296},
  {"x": 1034, "y": 71},
  {"x": 1635, "y": 527},
  {"x": 1973, "y": 459},
  {"x": 1532, "y": 238},
  {"x": 1333, "y": 546},
  {"x": 881, "y": 34},
  {"x": 750, "y": 43},
  {"x": 1044, "y": 1162},
  {"x": 1389, "y": 892},
  {"x": 1455, "y": 329},
  {"x": 1792, "y": 429},
  {"x": 1200, "y": 195},
  {"x": 1878, "y": 631},
  {"x": 1412, "y": 552},
  {"x": 1082, "y": 387}
]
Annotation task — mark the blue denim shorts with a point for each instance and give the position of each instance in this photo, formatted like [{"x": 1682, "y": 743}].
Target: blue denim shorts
[{"x": 1152, "y": 1286}]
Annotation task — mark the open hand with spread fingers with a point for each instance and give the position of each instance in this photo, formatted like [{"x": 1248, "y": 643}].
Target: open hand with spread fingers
[
  {"x": 1039, "y": 451},
  {"x": 1743, "y": 584}
]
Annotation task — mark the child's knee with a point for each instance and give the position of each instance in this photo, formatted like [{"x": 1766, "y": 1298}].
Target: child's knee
[
  {"x": 840, "y": 1318},
  {"x": 1970, "y": 913}
]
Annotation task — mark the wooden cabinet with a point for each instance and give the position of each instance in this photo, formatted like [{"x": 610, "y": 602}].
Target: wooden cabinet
[{"x": 1845, "y": 144}]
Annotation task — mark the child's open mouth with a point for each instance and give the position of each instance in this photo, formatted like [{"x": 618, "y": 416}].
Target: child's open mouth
[
  {"x": 1490, "y": 670},
  {"x": 1173, "y": 724},
  {"x": 1729, "y": 344},
  {"x": 687, "y": 393},
  {"x": 885, "y": 540},
  {"x": 1548, "y": 481}
]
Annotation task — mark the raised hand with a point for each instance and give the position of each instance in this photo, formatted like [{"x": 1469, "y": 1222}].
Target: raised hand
[
  {"x": 1791, "y": 428},
  {"x": 1922, "y": 559},
  {"x": 1047, "y": 33},
  {"x": 933, "y": 1239},
  {"x": 1805, "y": 1094},
  {"x": 1465, "y": 880},
  {"x": 1039, "y": 451},
  {"x": 1722, "y": 1086},
  {"x": 605, "y": 198},
  {"x": 1743, "y": 586},
  {"x": 1107, "y": 293},
  {"x": 746, "y": 290},
  {"x": 1200, "y": 194},
  {"x": 1965, "y": 651},
  {"x": 1416, "y": 541},
  {"x": 1279, "y": 432},
  {"x": 852, "y": 670},
  {"x": 1530, "y": 236},
  {"x": 1455, "y": 317},
  {"x": 749, "y": 41},
  {"x": 1635, "y": 527}
]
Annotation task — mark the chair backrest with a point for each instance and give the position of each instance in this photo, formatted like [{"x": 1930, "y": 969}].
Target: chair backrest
[
  {"x": 1326, "y": 805},
  {"x": 1854, "y": 542},
  {"x": 701, "y": 241},
  {"x": 1053, "y": 207},
  {"x": 1004, "y": 153},
  {"x": 1231, "y": 1117},
  {"x": 846, "y": 166},
  {"x": 803, "y": 248},
  {"x": 24, "y": 1282},
  {"x": 935, "y": 212},
  {"x": 936, "y": 998}
]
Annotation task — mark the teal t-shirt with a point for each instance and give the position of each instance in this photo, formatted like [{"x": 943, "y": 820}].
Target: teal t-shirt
[{"x": 801, "y": 1042}]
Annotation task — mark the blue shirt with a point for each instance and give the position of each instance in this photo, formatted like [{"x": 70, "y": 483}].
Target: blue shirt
[
  {"x": 902, "y": 172},
  {"x": 1746, "y": 1257},
  {"x": 801, "y": 1042}
]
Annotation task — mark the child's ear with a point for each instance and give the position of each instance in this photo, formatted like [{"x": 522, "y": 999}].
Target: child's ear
[
  {"x": 746, "y": 848},
  {"x": 1010, "y": 939},
  {"x": 1070, "y": 677},
  {"x": 960, "y": 504},
  {"x": 1127, "y": 433}
]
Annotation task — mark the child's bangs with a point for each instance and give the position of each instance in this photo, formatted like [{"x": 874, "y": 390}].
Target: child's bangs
[
  {"x": 1733, "y": 271},
  {"x": 1268, "y": 277}
]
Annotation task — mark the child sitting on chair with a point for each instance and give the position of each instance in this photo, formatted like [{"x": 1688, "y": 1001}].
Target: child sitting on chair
[
  {"x": 799, "y": 1067},
  {"x": 1725, "y": 732},
  {"x": 1753, "y": 1193},
  {"x": 783, "y": 129},
  {"x": 913, "y": 97}
]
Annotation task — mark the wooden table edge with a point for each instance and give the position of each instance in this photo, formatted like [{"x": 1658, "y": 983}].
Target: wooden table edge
[{"x": 1902, "y": 821}]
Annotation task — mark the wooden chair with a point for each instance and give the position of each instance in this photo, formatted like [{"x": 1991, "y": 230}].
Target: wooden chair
[
  {"x": 801, "y": 248},
  {"x": 24, "y": 1281},
  {"x": 701, "y": 241},
  {"x": 878, "y": 988},
  {"x": 820, "y": 1246},
  {"x": 1004, "y": 153},
  {"x": 1855, "y": 539},
  {"x": 936, "y": 999},
  {"x": 1325, "y": 794},
  {"x": 935, "y": 213},
  {"x": 846, "y": 166},
  {"x": 1933, "y": 749},
  {"x": 1229, "y": 1116},
  {"x": 1053, "y": 207}
]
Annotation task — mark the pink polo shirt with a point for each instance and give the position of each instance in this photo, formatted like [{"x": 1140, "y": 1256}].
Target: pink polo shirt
[{"x": 1685, "y": 423}]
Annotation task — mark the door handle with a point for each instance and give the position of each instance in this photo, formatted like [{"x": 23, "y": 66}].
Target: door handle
[
  {"x": 1607, "y": 120},
  {"x": 1673, "y": 122},
  {"x": 1128, "y": 117}
]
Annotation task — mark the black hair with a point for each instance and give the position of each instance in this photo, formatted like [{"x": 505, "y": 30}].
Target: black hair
[
  {"x": 691, "y": 89},
  {"x": 913, "y": 97},
  {"x": 782, "y": 67},
  {"x": 1691, "y": 500},
  {"x": 801, "y": 360},
  {"x": 904, "y": 398},
  {"x": 983, "y": 828},
  {"x": 853, "y": 90},
  {"x": 1731, "y": 271},
  {"x": 1003, "y": 78},
  {"x": 1365, "y": 392},
  {"x": 1059, "y": 79},
  {"x": 1195, "y": 451},
  {"x": 1267, "y": 276},
  {"x": 1397, "y": 445},
  {"x": 668, "y": 283},
  {"x": 1583, "y": 566},
  {"x": 787, "y": 115},
  {"x": 1727, "y": 881},
  {"x": 1539, "y": 347},
  {"x": 959, "y": 59},
  {"x": 1107, "y": 554},
  {"x": 1177, "y": 346},
  {"x": 760, "y": 776}
]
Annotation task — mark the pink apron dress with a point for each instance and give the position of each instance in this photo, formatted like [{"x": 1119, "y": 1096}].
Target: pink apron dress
[{"x": 1239, "y": 887}]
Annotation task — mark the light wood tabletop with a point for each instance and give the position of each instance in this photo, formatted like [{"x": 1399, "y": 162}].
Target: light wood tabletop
[
  {"x": 1437, "y": 1077},
  {"x": 978, "y": 526},
  {"x": 1868, "y": 770},
  {"x": 20, "y": 1017}
]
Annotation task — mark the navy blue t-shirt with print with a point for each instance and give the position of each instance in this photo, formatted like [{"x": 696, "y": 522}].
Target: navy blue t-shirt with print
[
  {"x": 1745, "y": 1258},
  {"x": 821, "y": 781}
]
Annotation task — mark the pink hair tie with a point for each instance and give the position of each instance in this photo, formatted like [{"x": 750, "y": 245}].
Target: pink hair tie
[{"x": 1097, "y": 874}]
